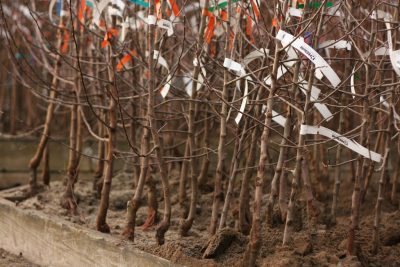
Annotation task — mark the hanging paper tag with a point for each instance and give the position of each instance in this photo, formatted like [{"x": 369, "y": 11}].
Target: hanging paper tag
[
  {"x": 394, "y": 55},
  {"x": 342, "y": 44},
  {"x": 151, "y": 20},
  {"x": 237, "y": 67},
  {"x": 356, "y": 147},
  {"x": 278, "y": 118},
  {"x": 311, "y": 54},
  {"x": 98, "y": 10},
  {"x": 167, "y": 25},
  {"x": 161, "y": 61},
  {"x": 294, "y": 12},
  {"x": 232, "y": 65}
]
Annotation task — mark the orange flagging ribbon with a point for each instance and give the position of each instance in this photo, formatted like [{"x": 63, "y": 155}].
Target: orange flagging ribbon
[
  {"x": 209, "y": 33},
  {"x": 255, "y": 9},
  {"x": 249, "y": 28},
  {"x": 125, "y": 59},
  {"x": 175, "y": 8},
  {"x": 109, "y": 34},
  {"x": 82, "y": 10},
  {"x": 64, "y": 48}
]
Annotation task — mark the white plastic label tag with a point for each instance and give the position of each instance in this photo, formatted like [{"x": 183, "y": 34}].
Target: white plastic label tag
[
  {"x": 356, "y": 147},
  {"x": 311, "y": 54},
  {"x": 161, "y": 61}
]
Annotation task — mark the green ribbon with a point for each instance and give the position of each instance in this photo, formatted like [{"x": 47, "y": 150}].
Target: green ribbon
[
  {"x": 222, "y": 5},
  {"x": 140, "y": 3},
  {"x": 89, "y": 3},
  {"x": 315, "y": 5},
  {"x": 19, "y": 55}
]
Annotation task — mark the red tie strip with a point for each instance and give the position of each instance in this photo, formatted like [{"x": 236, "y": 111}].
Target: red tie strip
[
  {"x": 250, "y": 22},
  {"x": 168, "y": 12},
  {"x": 231, "y": 38},
  {"x": 109, "y": 34},
  {"x": 275, "y": 22},
  {"x": 158, "y": 9},
  {"x": 232, "y": 33},
  {"x": 174, "y": 7},
  {"x": 224, "y": 16},
  {"x": 255, "y": 9},
  {"x": 170, "y": 9},
  {"x": 64, "y": 47},
  {"x": 125, "y": 59},
  {"x": 249, "y": 28},
  {"x": 209, "y": 33},
  {"x": 238, "y": 9},
  {"x": 89, "y": 11},
  {"x": 82, "y": 11}
]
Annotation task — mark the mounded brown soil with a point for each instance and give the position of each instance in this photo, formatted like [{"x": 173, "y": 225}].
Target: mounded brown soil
[{"x": 327, "y": 246}]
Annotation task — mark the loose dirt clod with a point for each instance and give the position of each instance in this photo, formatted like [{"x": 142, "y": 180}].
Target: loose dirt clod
[
  {"x": 220, "y": 242},
  {"x": 391, "y": 230},
  {"x": 303, "y": 247}
]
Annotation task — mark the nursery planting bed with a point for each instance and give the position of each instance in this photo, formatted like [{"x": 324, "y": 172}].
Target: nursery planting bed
[{"x": 48, "y": 235}]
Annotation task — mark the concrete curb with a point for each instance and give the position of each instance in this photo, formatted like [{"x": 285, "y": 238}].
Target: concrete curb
[{"x": 50, "y": 241}]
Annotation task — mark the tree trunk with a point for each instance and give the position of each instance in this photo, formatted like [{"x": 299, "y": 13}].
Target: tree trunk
[
  {"x": 380, "y": 197},
  {"x": 101, "y": 224},
  {"x": 361, "y": 163},
  {"x": 46, "y": 166},
  {"x": 255, "y": 233},
  {"x": 218, "y": 194},
  {"x": 35, "y": 160}
]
